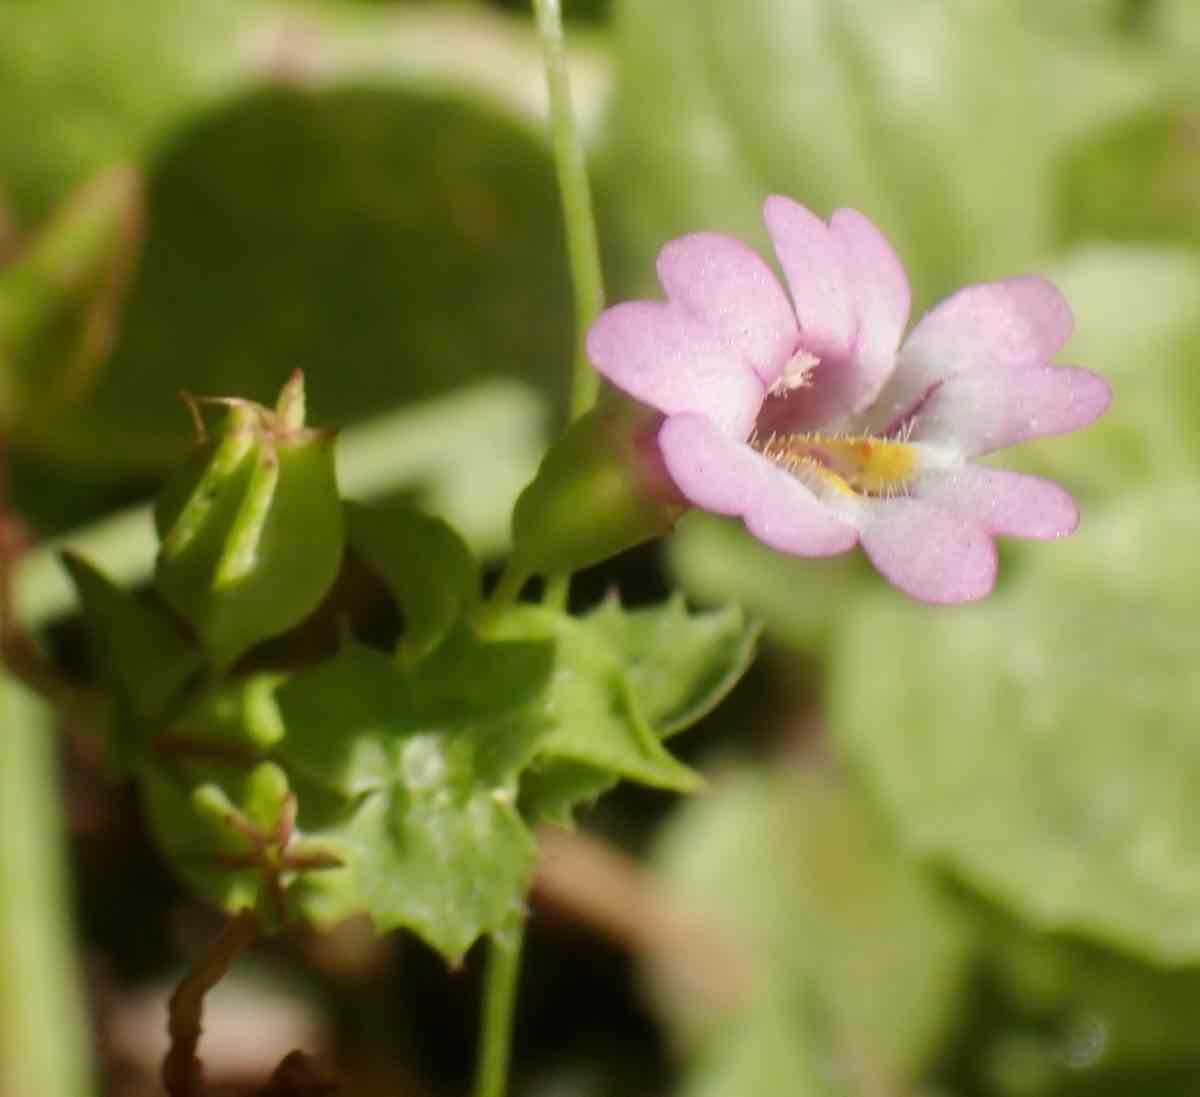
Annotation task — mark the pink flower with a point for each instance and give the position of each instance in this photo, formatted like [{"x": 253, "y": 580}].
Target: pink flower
[{"x": 814, "y": 424}]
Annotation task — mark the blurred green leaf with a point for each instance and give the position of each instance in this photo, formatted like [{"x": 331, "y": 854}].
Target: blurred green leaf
[
  {"x": 416, "y": 248},
  {"x": 45, "y": 1043},
  {"x": 942, "y": 122},
  {"x": 426, "y": 566},
  {"x": 87, "y": 84},
  {"x": 1043, "y": 746},
  {"x": 116, "y": 81},
  {"x": 766, "y": 1050},
  {"x": 1136, "y": 180},
  {"x": 799, "y": 601},
  {"x": 146, "y": 659},
  {"x": 424, "y": 820},
  {"x": 60, "y": 299},
  {"x": 795, "y": 875},
  {"x": 251, "y": 530},
  {"x": 1098, "y": 1013},
  {"x": 1137, "y": 322}
]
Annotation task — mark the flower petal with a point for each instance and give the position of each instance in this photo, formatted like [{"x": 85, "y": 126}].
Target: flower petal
[
  {"x": 814, "y": 263},
  {"x": 985, "y": 410},
  {"x": 933, "y": 554},
  {"x": 727, "y": 477},
  {"x": 666, "y": 359},
  {"x": 1019, "y": 323},
  {"x": 1005, "y": 502},
  {"x": 722, "y": 282},
  {"x": 882, "y": 299}
]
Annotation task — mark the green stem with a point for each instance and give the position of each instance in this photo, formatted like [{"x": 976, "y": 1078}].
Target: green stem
[
  {"x": 583, "y": 251},
  {"x": 503, "y": 596},
  {"x": 499, "y": 1000},
  {"x": 582, "y": 247}
]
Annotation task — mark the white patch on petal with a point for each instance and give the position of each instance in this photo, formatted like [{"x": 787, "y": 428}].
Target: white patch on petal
[{"x": 797, "y": 374}]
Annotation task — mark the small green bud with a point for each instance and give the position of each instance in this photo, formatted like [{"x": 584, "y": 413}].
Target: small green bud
[
  {"x": 252, "y": 529},
  {"x": 600, "y": 490},
  {"x": 241, "y": 718}
]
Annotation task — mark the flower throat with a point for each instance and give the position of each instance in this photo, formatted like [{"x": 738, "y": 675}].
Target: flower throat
[{"x": 877, "y": 467}]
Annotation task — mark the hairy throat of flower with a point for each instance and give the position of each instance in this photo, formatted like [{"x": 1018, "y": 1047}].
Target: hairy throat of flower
[{"x": 847, "y": 466}]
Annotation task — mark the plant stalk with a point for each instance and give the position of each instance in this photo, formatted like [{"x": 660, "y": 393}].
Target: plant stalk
[
  {"x": 583, "y": 250},
  {"x": 499, "y": 1006}
]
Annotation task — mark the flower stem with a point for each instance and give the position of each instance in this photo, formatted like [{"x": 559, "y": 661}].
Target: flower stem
[
  {"x": 499, "y": 1001},
  {"x": 583, "y": 251},
  {"x": 580, "y": 223}
]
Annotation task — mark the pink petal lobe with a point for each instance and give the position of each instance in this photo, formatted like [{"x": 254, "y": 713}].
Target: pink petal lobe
[
  {"x": 1018, "y": 322},
  {"x": 1005, "y": 502},
  {"x": 882, "y": 298},
  {"x": 664, "y": 358},
  {"x": 720, "y": 281},
  {"x": 984, "y": 410},
  {"x": 934, "y": 555},
  {"x": 724, "y": 476},
  {"x": 814, "y": 264}
]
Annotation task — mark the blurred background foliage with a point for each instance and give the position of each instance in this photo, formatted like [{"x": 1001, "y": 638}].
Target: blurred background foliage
[{"x": 942, "y": 854}]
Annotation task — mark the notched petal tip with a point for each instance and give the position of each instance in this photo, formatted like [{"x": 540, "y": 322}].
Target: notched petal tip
[
  {"x": 727, "y": 286},
  {"x": 1008, "y": 503},
  {"x": 814, "y": 264},
  {"x": 667, "y": 359}
]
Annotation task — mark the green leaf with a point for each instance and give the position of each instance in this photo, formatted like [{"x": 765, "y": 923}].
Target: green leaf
[
  {"x": 626, "y": 680},
  {"x": 598, "y": 718},
  {"x": 944, "y": 123},
  {"x": 809, "y": 918},
  {"x": 1043, "y": 746},
  {"x": 426, "y": 566},
  {"x": 251, "y": 531},
  {"x": 146, "y": 659},
  {"x": 1137, "y": 180},
  {"x": 552, "y": 789},
  {"x": 424, "y": 779},
  {"x": 680, "y": 665}
]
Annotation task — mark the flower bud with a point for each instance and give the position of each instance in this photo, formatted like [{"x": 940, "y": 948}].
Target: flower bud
[{"x": 252, "y": 529}]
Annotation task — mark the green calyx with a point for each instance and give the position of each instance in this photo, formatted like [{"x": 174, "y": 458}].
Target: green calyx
[{"x": 600, "y": 490}]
